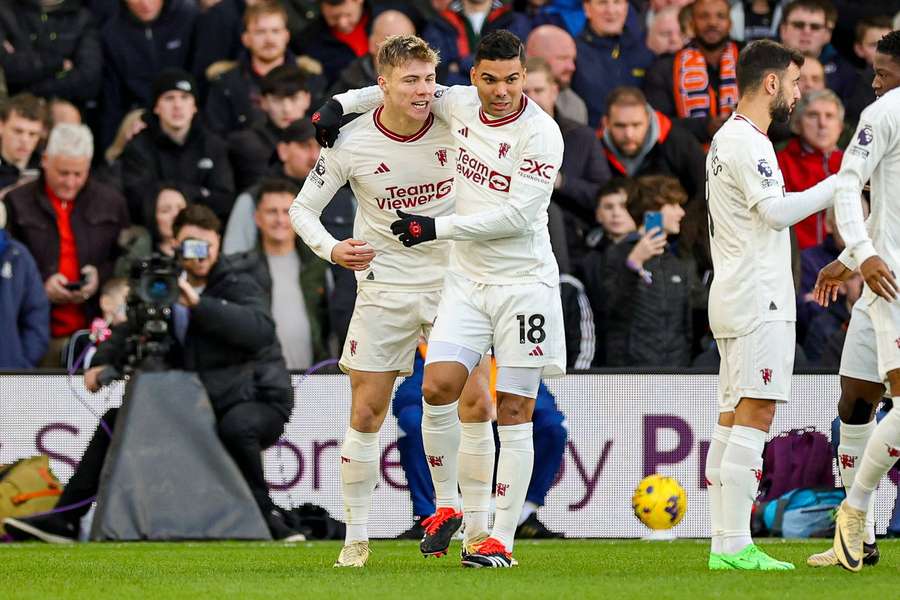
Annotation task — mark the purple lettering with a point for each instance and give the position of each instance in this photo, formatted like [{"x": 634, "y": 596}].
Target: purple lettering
[
  {"x": 43, "y": 449},
  {"x": 590, "y": 483},
  {"x": 318, "y": 449},
  {"x": 389, "y": 464},
  {"x": 286, "y": 483},
  {"x": 653, "y": 457}
]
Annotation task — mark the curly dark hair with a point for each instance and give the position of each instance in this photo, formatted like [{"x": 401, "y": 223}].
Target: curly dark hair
[{"x": 890, "y": 45}]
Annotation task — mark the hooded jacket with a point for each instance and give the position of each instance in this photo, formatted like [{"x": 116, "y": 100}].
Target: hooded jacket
[{"x": 24, "y": 308}]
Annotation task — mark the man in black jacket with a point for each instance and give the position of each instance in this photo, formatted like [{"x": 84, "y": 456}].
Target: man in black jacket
[
  {"x": 176, "y": 147},
  {"x": 224, "y": 332},
  {"x": 22, "y": 121},
  {"x": 50, "y": 49},
  {"x": 140, "y": 41}
]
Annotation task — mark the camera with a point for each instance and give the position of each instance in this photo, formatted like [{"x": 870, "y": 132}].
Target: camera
[{"x": 153, "y": 290}]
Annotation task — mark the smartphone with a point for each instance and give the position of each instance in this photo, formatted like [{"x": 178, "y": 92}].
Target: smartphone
[
  {"x": 653, "y": 218},
  {"x": 74, "y": 286}
]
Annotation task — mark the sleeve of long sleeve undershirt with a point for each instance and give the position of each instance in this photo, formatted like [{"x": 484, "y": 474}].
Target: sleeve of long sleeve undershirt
[
  {"x": 530, "y": 188},
  {"x": 789, "y": 209},
  {"x": 322, "y": 183},
  {"x": 875, "y": 134}
]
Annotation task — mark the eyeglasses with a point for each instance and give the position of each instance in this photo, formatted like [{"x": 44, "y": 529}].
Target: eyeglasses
[{"x": 801, "y": 25}]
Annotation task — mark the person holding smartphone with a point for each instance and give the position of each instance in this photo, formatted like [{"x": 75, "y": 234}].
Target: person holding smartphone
[{"x": 647, "y": 285}]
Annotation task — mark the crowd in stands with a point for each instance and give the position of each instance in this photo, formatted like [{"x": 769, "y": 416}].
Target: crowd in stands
[{"x": 117, "y": 114}]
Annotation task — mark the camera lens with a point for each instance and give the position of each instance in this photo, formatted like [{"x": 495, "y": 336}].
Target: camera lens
[{"x": 158, "y": 289}]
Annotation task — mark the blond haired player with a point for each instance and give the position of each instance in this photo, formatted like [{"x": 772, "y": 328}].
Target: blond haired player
[
  {"x": 397, "y": 156},
  {"x": 502, "y": 286}
]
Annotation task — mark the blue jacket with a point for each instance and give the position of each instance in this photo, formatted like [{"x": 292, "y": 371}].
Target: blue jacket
[
  {"x": 607, "y": 62},
  {"x": 24, "y": 308}
]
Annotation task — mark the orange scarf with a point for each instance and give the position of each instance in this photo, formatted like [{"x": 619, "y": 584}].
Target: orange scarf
[{"x": 694, "y": 97}]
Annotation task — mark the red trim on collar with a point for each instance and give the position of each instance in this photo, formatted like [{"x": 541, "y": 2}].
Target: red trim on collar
[
  {"x": 752, "y": 124},
  {"x": 376, "y": 116},
  {"x": 505, "y": 120}
]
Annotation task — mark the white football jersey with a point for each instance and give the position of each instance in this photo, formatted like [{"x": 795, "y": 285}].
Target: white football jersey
[
  {"x": 505, "y": 170},
  {"x": 874, "y": 156},
  {"x": 387, "y": 173},
  {"x": 752, "y": 280}
]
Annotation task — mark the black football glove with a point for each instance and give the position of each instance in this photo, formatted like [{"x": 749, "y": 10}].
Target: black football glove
[
  {"x": 328, "y": 122},
  {"x": 413, "y": 229}
]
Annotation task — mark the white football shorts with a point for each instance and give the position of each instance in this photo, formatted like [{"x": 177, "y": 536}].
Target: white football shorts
[
  {"x": 385, "y": 328},
  {"x": 872, "y": 346},
  {"x": 523, "y": 322},
  {"x": 758, "y": 365}
]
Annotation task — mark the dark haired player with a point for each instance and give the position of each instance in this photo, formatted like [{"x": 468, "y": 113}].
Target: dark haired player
[
  {"x": 871, "y": 353},
  {"x": 751, "y": 306},
  {"x": 502, "y": 285}
]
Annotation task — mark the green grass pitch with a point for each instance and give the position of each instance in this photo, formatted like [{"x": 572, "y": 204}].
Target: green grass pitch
[{"x": 548, "y": 569}]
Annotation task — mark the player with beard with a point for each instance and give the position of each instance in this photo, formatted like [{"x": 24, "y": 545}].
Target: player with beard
[
  {"x": 867, "y": 451},
  {"x": 698, "y": 84},
  {"x": 752, "y": 310}
]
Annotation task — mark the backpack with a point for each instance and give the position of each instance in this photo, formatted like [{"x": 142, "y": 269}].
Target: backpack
[
  {"x": 799, "y": 458},
  {"x": 27, "y": 486},
  {"x": 800, "y": 513}
]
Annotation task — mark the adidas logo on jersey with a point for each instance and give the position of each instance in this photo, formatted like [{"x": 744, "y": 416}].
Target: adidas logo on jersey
[
  {"x": 382, "y": 168},
  {"x": 536, "y": 352},
  {"x": 464, "y": 132}
]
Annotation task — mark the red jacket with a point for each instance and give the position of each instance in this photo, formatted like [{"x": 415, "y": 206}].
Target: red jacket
[{"x": 804, "y": 167}]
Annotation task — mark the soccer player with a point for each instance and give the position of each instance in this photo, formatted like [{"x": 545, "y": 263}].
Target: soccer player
[
  {"x": 872, "y": 349},
  {"x": 502, "y": 285},
  {"x": 751, "y": 305},
  {"x": 396, "y": 156}
]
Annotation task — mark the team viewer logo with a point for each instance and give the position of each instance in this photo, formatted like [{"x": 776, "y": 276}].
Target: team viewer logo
[
  {"x": 766, "y": 376},
  {"x": 764, "y": 168},
  {"x": 441, "y": 156},
  {"x": 503, "y": 151}
]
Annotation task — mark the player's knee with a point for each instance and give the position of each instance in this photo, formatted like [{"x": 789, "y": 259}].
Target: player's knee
[
  {"x": 476, "y": 410},
  {"x": 757, "y": 414},
  {"x": 513, "y": 411},
  {"x": 366, "y": 417},
  {"x": 438, "y": 391},
  {"x": 853, "y": 409}
]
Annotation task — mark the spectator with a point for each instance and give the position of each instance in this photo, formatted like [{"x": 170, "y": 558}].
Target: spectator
[
  {"x": 611, "y": 53},
  {"x": 868, "y": 32},
  {"x": 755, "y": 19},
  {"x": 24, "y": 310},
  {"x": 640, "y": 141},
  {"x": 647, "y": 286},
  {"x": 361, "y": 72},
  {"x": 71, "y": 225},
  {"x": 50, "y": 49},
  {"x": 806, "y": 27},
  {"x": 109, "y": 171},
  {"x": 82, "y": 346},
  {"x": 544, "y": 12},
  {"x": 614, "y": 223},
  {"x": 664, "y": 34},
  {"x": 63, "y": 111},
  {"x": 295, "y": 278},
  {"x": 698, "y": 85},
  {"x": 176, "y": 147},
  {"x": 285, "y": 99},
  {"x": 234, "y": 98},
  {"x": 557, "y": 47},
  {"x": 298, "y": 152},
  {"x": 145, "y": 37},
  {"x": 812, "y": 76},
  {"x": 337, "y": 37},
  {"x": 22, "y": 121},
  {"x": 812, "y": 155},
  {"x": 829, "y": 328},
  {"x": 583, "y": 169},
  {"x": 138, "y": 241}
]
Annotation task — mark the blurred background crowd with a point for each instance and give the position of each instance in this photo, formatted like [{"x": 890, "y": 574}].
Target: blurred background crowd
[{"x": 117, "y": 114}]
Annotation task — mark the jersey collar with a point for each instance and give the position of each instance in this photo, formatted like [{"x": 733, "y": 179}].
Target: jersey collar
[
  {"x": 401, "y": 138},
  {"x": 505, "y": 120}
]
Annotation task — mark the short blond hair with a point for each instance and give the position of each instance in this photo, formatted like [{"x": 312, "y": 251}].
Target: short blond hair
[{"x": 397, "y": 50}]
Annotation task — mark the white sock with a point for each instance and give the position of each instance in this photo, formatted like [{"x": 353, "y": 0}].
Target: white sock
[
  {"x": 528, "y": 509},
  {"x": 440, "y": 437},
  {"x": 880, "y": 456},
  {"x": 513, "y": 476},
  {"x": 476, "y": 470},
  {"x": 740, "y": 472},
  {"x": 714, "y": 484},
  {"x": 359, "y": 474},
  {"x": 850, "y": 455}
]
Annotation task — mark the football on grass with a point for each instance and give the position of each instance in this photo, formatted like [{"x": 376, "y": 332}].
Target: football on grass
[{"x": 659, "y": 502}]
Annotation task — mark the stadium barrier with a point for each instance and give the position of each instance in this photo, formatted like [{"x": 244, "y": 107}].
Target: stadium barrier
[{"x": 621, "y": 427}]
